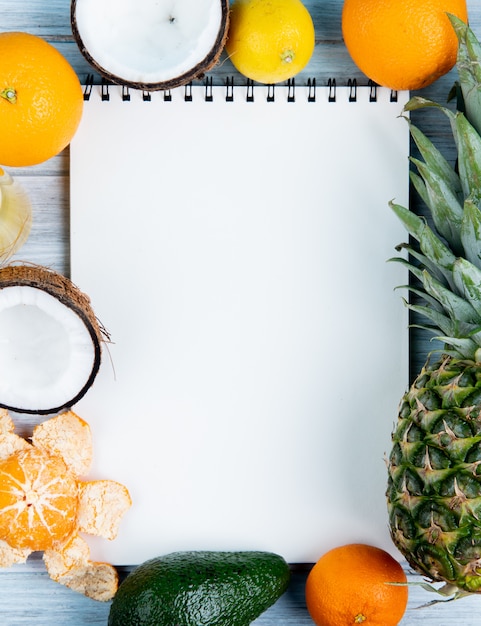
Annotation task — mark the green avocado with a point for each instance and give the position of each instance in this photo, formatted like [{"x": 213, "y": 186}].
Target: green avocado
[{"x": 200, "y": 588}]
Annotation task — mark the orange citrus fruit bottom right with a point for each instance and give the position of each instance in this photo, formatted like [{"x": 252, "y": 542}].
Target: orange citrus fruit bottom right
[
  {"x": 402, "y": 44},
  {"x": 351, "y": 585},
  {"x": 41, "y": 100}
]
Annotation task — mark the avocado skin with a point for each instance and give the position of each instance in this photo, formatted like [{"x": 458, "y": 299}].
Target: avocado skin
[{"x": 200, "y": 588}]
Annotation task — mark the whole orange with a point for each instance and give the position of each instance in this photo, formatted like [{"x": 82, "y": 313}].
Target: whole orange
[
  {"x": 403, "y": 45},
  {"x": 41, "y": 100},
  {"x": 351, "y": 584}
]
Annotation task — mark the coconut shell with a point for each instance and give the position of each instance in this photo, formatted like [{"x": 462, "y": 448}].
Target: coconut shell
[
  {"x": 196, "y": 72},
  {"x": 61, "y": 288}
]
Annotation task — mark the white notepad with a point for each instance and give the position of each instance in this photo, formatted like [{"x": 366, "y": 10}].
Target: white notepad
[{"x": 237, "y": 252}]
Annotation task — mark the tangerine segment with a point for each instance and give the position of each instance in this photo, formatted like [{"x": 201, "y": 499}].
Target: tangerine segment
[{"x": 38, "y": 500}]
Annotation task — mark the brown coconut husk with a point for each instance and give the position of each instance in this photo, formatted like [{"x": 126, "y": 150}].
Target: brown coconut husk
[
  {"x": 195, "y": 73},
  {"x": 61, "y": 288}
]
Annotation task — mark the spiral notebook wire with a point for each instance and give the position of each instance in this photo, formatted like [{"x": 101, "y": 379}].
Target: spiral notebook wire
[{"x": 249, "y": 90}]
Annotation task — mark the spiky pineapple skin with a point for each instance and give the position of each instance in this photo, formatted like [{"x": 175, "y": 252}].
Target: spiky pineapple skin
[{"x": 434, "y": 474}]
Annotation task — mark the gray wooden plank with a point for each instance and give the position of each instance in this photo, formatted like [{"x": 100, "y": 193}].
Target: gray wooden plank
[{"x": 27, "y": 591}]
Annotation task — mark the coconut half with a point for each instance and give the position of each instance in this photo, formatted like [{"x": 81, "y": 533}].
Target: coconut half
[
  {"x": 50, "y": 341},
  {"x": 150, "y": 44}
]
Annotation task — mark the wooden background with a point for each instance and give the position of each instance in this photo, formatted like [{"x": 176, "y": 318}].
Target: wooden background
[{"x": 27, "y": 595}]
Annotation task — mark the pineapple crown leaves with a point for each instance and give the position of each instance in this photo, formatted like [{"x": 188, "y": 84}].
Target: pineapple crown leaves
[
  {"x": 447, "y": 257},
  {"x": 469, "y": 70}
]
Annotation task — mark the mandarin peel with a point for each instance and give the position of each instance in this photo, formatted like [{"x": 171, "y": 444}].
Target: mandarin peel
[{"x": 44, "y": 504}]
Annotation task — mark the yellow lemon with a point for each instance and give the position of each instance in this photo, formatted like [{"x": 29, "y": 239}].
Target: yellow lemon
[{"x": 270, "y": 41}]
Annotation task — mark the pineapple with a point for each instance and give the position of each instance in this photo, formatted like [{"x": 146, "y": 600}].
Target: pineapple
[{"x": 434, "y": 468}]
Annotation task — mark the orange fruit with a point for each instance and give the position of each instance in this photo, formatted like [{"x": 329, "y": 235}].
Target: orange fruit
[
  {"x": 403, "y": 45},
  {"x": 38, "y": 500},
  {"x": 41, "y": 100},
  {"x": 351, "y": 585},
  {"x": 270, "y": 41}
]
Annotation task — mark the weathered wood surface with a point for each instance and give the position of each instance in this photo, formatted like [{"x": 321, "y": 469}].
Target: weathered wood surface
[{"x": 27, "y": 595}]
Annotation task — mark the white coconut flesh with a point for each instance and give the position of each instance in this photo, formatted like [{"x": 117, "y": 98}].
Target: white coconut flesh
[
  {"x": 148, "y": 41},
  {"x": 46, "y": 350}
]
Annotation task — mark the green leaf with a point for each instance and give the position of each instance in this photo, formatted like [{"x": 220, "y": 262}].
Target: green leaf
[
  {"x": 431, "y": 246},
  {"x": 468, "y": 143},
  {"x": 443, "y": 203},
  {"x": 418, "y": 102},
  {"x": 469, "y": 150},
  {"x": 432, "y": 268},
  {"x": 420, "y": 187},
  {"x": 469, "y": 70},
  {"x": 435, "y": 160},
  {"x": 442, "y": 322},
  {"x": 416, "y": 271},
  {"x": 456, "y": 307},
  {"x": 425, "y": 296},
  {"x": 463, "y": 347},
  {"x": 476, "y": 336},
  {"x": 467, "y": 278},
  {"x": 471, "y": 232}
]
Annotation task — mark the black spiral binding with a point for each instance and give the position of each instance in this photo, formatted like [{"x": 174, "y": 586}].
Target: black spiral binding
[
  {"x": 89, "y": 83},
  {"x": 208, "y": 89},
  {"x": 250, "y": 91},
  {"x": 311, "y": 89},
  {"x": 105, "y": 96},
  {"x": 229, "y": 95},
  {"x": 291, "y": 90},
  {"x": 249, "y": 86},
  {"x": 352, "y": 84},
  {"x": 331, "y": 83}
]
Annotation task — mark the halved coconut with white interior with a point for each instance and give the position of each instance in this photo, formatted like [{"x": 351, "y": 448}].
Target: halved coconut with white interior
[
  {"x": 50, "y": 340},
  {"x": 150, "y": 44}
]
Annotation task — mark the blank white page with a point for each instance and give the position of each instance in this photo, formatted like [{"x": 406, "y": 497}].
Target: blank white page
[{"x": 237, "y": 253}]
